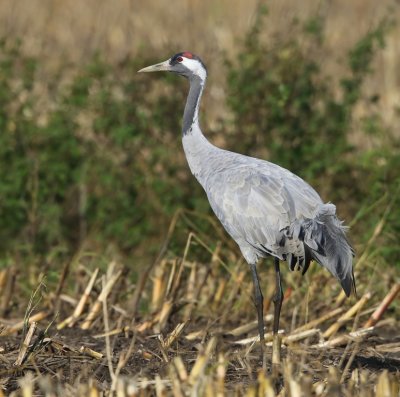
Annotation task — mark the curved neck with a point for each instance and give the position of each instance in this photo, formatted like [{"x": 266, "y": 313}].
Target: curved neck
[{"x": 191, "y": 113}]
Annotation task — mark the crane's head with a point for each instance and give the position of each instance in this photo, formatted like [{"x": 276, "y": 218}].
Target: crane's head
[{"x": 183, "y": 63}]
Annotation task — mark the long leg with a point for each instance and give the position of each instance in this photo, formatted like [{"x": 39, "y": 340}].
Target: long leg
[
  {"x": 259, "y": 301},
  {"x": 278, "y": 299}
]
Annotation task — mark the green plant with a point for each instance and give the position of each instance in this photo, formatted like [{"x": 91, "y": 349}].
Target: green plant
[
  {"x": 285, "y": 107},
  {"x": 102, "y": 169}
]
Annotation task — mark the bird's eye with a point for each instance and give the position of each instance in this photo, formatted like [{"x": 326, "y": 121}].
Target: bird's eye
[{"x": 179, "y": 59}]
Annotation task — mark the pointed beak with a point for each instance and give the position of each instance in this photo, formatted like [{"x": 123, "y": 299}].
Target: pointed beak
[{"x": 158, "y": 67}]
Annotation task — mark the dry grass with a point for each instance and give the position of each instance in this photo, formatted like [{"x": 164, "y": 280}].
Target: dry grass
[{"x": 188, "y": 328}]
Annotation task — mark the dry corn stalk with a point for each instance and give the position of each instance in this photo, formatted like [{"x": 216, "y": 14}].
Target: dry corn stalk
[
  {"x": 253, "y": 339},
  {"x": 71, "y": 320},
  {"x": 234, "y": 292},
  {"x": 159, "y": 319},
  {"x": 197, "y": 280},
  {"x": 161, "y": 391},
  {"x": 298, "y": 336},
  {"x": 7, "y": 284},
  {"x": 220, "y": 293},
  {"x": 319, "y": 320},
  {"x": 180, "y": 368},
  {"x": 164, "y": 315},
  {"x": 174, "y": 335},
  {"x": 91, "y": 353},
  {"x": 245, "y": 328},
  {"x": 383, "y": 388},
  {"x": 27, "y": 385},
  {"x": 388, "y": 347},
  {"x": 25, "y": 345},
  {"x": 176, "y": 382},
  {"x": 343, "y": 339},
  {"x": 19, "y": 325},
  {"x": 202, "y": 361},
  {"x": 200, "y": 334},
  {"x": 221, "y": 374},
  {"x": 159, "y": 286},
  {"x": 98, "y": 305},
  {"x": 346, "y": 316},
  {"x": 378, "y": 313}
]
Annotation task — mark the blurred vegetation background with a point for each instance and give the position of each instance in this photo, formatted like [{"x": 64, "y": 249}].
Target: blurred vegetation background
[{"x": 90, "y": 152}]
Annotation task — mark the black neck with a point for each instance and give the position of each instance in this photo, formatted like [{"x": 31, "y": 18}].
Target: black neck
[{"x": 191, "y": 113}]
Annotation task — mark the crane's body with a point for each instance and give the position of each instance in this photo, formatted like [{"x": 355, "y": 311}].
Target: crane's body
[{"x": 265, "y": 208}]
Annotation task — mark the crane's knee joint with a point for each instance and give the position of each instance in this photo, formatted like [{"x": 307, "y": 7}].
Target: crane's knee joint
[
  {"x": 258, "y": 298},
  {"x": 278, "y": 297}
]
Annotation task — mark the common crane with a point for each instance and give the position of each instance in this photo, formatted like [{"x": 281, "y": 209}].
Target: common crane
[{"x": 265, "y": 208}]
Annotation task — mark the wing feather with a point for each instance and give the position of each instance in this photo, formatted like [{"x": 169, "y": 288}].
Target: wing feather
[
  {"x": 255, "y": 203},
  {"x": 269, "y": 210}
]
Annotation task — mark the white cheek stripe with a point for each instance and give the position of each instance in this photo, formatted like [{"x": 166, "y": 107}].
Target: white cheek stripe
[{"x": 195, "y": 66}]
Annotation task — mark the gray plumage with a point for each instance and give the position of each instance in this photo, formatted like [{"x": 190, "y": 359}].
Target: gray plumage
[
  {"x": 265, "y": 208},
  {"x": 268, "y": 210}
]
